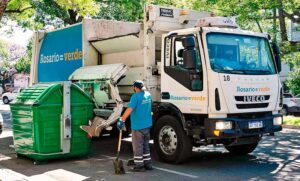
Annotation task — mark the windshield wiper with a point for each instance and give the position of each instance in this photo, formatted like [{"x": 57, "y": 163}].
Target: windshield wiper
[
  {"x": 237, "y": 71},
  {"x": 231, "y": 71},
  {"x": 248, "y": 72},
  {"x": 259, "y": 71}
]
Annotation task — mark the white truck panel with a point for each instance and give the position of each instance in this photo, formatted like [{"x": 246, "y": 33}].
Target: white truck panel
[
  {"x": 90, "y": 54},
  {"x": 120, "y": 44},
  {"x": 169, "y": 19},
  {"x": 99, "y": 29},
  {"x": 130, "y": 58}
]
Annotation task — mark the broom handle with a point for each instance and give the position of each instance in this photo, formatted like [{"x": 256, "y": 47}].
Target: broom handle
[{"x": 119, "y": 144}]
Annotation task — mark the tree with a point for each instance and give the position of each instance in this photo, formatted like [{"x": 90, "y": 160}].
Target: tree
[
  {"x": 293, "y": 81},
  {"x": 69, "y": 12},
  {"x": 122, "y": 10},
  {"x": 16, "y": 52},
  {"x": 23, "y": 64},
  {"x": 4, "y": 51},
  {"x": 16, "y": 9},
  {"x": 3, "y": 5},
  {"x": 35, "y": 14}
]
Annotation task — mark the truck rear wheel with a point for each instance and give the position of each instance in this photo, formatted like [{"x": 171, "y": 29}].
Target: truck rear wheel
[
  {"x": 242, "y": 149},
  {"x": 171, "y": 143}
]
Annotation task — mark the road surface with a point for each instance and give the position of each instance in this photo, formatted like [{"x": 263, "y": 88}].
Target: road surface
[{"x": 276, "y": 158}]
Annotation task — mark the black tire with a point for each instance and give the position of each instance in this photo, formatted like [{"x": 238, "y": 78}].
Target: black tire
[
  {"x": 284, "y": 111},
  {"x": 183, "y": 142},
  {"x": 242, "y": 149},
  {"x": 5, "y": 100}
]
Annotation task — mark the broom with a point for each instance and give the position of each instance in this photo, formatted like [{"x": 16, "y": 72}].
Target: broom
[{"x": 118, "y": 164}]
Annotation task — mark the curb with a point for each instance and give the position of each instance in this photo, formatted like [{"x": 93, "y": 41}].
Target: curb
[{"x": 291, "y": 126}]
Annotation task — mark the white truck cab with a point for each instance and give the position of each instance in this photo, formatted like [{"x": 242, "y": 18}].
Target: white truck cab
[{"x": 223, "y": 83}]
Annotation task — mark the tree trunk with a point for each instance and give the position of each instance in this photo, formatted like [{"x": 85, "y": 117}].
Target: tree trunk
[
  {"x": 282, "y": 22},
  {"x": 3, "y": 5},
  {"x": 73, "y": 17}
]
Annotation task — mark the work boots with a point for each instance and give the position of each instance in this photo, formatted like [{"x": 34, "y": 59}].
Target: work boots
[{"x": 130, "y": 162}]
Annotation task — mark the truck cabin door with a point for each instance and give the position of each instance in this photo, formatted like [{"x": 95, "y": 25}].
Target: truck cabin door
[{"x": 183, "y": 77}]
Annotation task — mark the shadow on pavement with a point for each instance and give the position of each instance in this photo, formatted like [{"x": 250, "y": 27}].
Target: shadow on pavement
[{"x": 276, "y": 158}]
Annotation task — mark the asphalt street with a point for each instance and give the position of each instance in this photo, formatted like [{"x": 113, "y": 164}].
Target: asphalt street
[{"x": 276, "y": 158}]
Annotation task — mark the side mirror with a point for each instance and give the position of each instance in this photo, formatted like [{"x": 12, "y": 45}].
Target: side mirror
[
  {"x": 189, "y": 41},
  {"x": 189, "y": 52},
  {"x": 277, "y": 56}
]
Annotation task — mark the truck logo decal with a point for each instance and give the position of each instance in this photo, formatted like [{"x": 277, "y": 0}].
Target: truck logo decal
[
  {"x": 187, "y": 98},
  {"x": 68, "y": 56},
  {"x": 251, "y": 89},
  {"x": 254, "y": 98}
]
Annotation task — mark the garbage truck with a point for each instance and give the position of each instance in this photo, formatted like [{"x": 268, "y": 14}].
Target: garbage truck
[{"x": 212, "y": 83}]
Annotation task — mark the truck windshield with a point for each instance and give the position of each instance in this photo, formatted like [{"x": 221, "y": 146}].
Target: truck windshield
[{"x": 240, "y": 54}]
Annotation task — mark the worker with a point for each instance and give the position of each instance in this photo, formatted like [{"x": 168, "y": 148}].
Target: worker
[{"x": 139, "y": 110}]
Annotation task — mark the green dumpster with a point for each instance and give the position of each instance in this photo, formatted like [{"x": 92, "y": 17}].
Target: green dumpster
[{"x": 41, "y": 129}]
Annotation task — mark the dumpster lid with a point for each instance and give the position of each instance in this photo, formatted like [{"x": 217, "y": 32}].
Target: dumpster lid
[
  {"x": 38, "y": 94},
  {"x": 111, "y": 72},
  {"x": 35, "y": 94}
]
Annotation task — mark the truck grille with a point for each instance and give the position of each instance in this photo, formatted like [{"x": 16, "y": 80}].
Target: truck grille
[
  {"x": 252, "y": 106},
  {"x": 252, "y": 102}
]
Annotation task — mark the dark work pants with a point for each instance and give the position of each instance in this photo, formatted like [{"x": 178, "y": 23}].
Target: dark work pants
[{"x": 141, "y": 148}]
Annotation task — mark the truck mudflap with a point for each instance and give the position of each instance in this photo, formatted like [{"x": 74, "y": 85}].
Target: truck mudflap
[{"x": 241, "y": 127}]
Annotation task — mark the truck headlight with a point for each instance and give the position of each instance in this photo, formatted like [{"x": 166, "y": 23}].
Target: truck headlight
[
  {"x": 221, "y": 125},
  {"x": 277, "y": 121}
]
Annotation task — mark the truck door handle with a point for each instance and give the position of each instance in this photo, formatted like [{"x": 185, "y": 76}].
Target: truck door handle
[{"x": 165, "y": 95}]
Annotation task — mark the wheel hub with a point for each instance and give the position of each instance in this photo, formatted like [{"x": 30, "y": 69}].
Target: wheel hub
[{"x": 168, "y": 140}]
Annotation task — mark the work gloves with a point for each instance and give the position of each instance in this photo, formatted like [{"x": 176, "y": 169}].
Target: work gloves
[{"x": 120, "y": 124}]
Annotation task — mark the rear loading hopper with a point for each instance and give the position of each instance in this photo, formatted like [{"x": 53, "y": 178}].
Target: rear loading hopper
[{"x": 101, "y": 83}]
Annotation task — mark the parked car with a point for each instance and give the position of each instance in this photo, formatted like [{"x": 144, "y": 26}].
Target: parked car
[
  {"x": 9, "y": 96},
  {"x": 1, "y": 123},
  {"x": 291, "y": 104}
]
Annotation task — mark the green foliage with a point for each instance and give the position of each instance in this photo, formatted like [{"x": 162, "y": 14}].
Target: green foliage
[
  {"x": 122, "y": 10},
  {"x": 22, "y": 12},
  {"x": 83, "y": 7},
  {"x": 23, "y": 64},
  {"x": 291, "y": 120},
  {"x": 293, "y": 81},
  {"x": 6, "y": 64},
  {"x": 4, "y": 51},
  {"x": 35, "y": 14},
  {"x": 191, "y": 4},
  {"x": 291, "y": 54}
]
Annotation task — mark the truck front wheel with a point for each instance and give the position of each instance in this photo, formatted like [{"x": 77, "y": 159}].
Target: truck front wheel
[
  {"x": 242, "y": 149},
  {"x": 171, "y": 143}
]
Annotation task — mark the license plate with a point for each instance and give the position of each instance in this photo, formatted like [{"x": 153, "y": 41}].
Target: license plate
[{"x": 255, "y": 124}]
